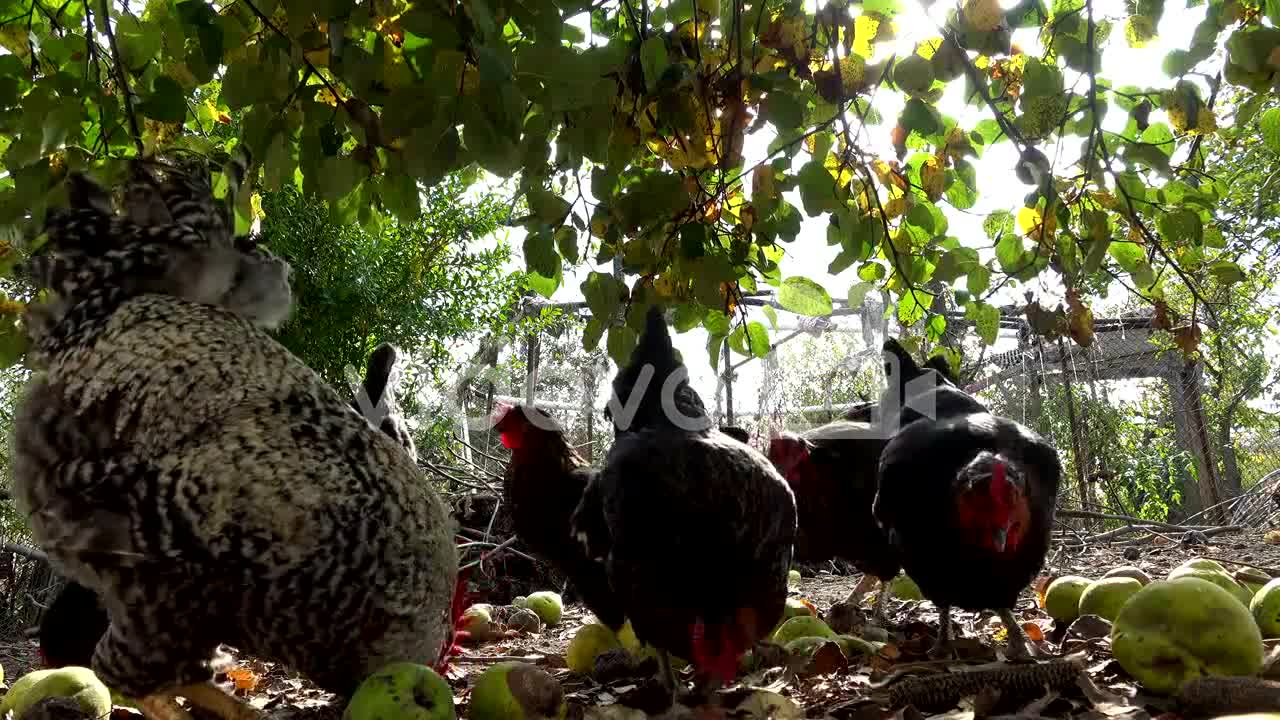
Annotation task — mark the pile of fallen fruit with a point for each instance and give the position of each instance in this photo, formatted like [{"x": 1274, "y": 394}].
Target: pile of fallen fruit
[{"x": 1199, "y": 644}]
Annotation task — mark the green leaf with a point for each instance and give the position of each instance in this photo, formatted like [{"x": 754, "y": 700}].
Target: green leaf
[
  {"x": 603, "y": 294},
  {"x": 785, "y": 111},
  {"x": 758, "y": 339},
  {"x": 772, "y": 314},
  {"x": 716, "y": 323},
  {"x": 621, "y": 342},
  {"x": 913, "y": 74},
  {"x": 1009, "y": 253},
  {"x": 738, "y": 341},
  {"x": 817, "y": 189},
  {"x": 167, "y": 101},
  {"x": 567, "y": 243},
  {"x": 1129, "y": 255},
  {"x": 1181, "y": 226},
  {"x": 1226, "y": 272},
  {"x": 653, "y": 59},
  {"x": 548, "y": 207},
  {"x": 400, "y": 195},
  {"x": 986, "y": 320},
  {"x": 858, "y": 293},
  {"x": 1041, "y": 79},
  {"x": 803, "y": 296},
  {"x": 592, "y": 334},
  {"x": 338, "y": 176},
  {"x": 540, "y": 253},
  {"x": 936, "y": 326},
  {"x": 887, "y": 8},
  {"x": 693, "y": 240},
  {"x": 241, "y": 85},
  {"x": 998, "y": 224},
  {"x": 979, "y": 280},
  {"x": 544, "y": 286},
  {"x": 1269, "y": 121},
  {"x": 13, "y": 345},
  {"x": 913, "y": 305}
]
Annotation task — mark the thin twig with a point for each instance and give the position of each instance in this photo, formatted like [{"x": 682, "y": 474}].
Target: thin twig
[{"x": 122, "y": 76}]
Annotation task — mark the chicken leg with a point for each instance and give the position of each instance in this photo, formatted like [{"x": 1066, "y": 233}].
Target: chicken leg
[
  {"x": 164, "y": 706},
  {"x": 1017, "y": 648},
  {"x": 668, "y": 675},
  {"x": 942, "y": 649}
]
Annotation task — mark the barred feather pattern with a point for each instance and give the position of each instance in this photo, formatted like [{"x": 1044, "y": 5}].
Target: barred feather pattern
[{"x": 182, "y": 464}]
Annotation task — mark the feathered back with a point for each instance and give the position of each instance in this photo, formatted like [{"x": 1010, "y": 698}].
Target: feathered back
[{"x": 639, "y": 392}]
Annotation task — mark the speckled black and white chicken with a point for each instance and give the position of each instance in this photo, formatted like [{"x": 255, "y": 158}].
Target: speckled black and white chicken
[
  {"x": 211, "y": 488},
  {"x": 74, "y": 622}
]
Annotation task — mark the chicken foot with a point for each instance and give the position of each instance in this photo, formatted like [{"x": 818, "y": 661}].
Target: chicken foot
[{"x": 164, "y": 706}]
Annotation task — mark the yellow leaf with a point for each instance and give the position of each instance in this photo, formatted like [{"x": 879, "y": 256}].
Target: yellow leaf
[
  {"x": 865, "y": 29},
  {"x": 895, "y": 207},
  {"x": 1079, "y": 319},
  {"x": 933, "y": 177},
  {"x": 1105, "y": 199},
  {"x": 1272, "y": 537},
  {"x": 762, "y": 181},
  {"x": 326, "y": 96},
  {"x": 1035, "y": 227},
  {"x": 927, "y": 48}
]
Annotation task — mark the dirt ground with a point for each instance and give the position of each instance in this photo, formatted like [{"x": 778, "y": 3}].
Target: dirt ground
[{"x": 828, "y": 686}]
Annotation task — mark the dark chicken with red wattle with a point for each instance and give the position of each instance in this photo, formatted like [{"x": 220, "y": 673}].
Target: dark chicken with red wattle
[
  {"x": 967, "y": 501},
  {"x": 832, "y": 471},
  {"x": 694, "y": 527},
  {"x": 541, "y": 488}
]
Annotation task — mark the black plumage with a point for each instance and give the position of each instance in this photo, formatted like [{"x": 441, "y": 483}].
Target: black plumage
[
  {"x": 71, "y": 626},
  {"x": 695, "y": 528}
]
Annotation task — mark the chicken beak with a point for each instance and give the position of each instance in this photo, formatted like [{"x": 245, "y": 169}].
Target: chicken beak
[{"x": 998, "y": 538}]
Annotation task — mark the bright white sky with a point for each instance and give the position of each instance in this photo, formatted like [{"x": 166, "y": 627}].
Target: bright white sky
[{"x": 998, "y": 188}]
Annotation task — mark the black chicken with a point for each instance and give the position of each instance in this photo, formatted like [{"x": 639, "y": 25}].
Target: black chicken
[
  {"x": 541, "y": 488},
  {"x": 832, "y": 471},
  {"x": 695, "y": 528},
  {"x": 967, "y": 501}
]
